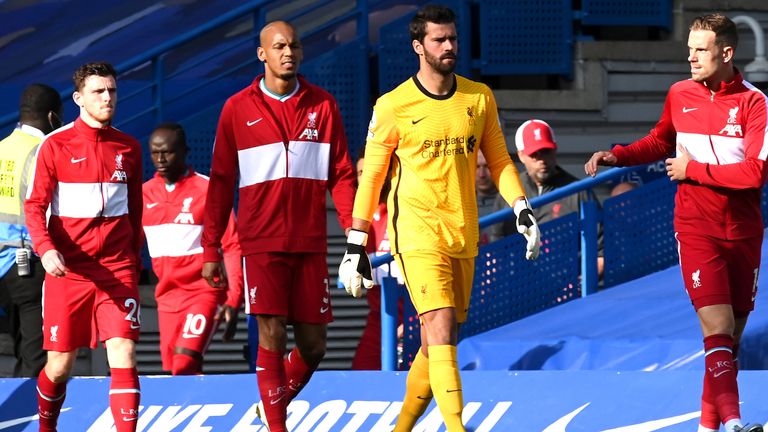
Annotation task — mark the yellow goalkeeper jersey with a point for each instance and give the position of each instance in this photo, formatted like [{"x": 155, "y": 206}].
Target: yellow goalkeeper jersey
[{"x": 432, "y": 142}]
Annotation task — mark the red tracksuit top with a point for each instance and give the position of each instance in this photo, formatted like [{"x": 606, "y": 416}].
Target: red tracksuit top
[
  {"x": 725, "y": 133},
  {"x": 91, "y": 178},
  {"x": 286, "y": 154},
  {"x": 173, "y": 225}
]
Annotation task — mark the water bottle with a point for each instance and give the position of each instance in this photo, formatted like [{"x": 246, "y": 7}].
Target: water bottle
[{"x": 22, "y": 262}]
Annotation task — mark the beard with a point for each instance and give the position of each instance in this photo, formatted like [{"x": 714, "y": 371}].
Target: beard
[{"x": 437, "y": 64}]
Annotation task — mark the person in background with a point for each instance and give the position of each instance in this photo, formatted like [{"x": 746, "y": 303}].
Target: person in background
[
  {"x": 537, "y": 150},
  {"x": 21, "y": 276},
  {"x": 713, "y": 133},
  {"x": 281, "y": 141},
  {"x": 487, "y": 194},
  {"x": 189, "y": 310},
  {"x": 88, "y": 176}
]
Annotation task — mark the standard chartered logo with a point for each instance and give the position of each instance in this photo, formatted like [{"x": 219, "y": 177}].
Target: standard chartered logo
[{"x": 447, "y": 146}]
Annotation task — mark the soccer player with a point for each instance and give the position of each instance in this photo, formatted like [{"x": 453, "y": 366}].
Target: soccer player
[
  {"x": 283, "y": 137},
  {"x": 716, "y": 121},
  {"x": 40, "y": 113},
  {"x": 89, "y": 175},
  {"x": 187, "y": 306},
  {"x": 431, "y": 128}
]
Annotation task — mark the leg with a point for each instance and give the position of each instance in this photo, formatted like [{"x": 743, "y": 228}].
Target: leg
[
  {"x": 52, "y": 387},
  {"x": 270, "y": 370},
  {"x": 124, "y": 390},
  {"x": 418, "y": 391},
  {"x": 301, "y": 363},
  {"x": 194, "y": 330},
  {"x": 442, "y": 334},
  {"x": 26, "y": 296}
]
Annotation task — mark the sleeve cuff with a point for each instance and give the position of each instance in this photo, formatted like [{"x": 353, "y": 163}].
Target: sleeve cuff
[{"x": 211, "y": 254}]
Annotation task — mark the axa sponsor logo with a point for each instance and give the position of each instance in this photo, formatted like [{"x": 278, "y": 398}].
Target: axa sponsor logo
[{"x": 732, "y": 127}]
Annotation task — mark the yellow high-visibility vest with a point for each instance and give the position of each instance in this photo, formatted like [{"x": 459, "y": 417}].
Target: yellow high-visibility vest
[{"x": 17, "y": 156}]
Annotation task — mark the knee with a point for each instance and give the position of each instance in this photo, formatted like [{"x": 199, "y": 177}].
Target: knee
[
  {"x": 313, "y": 354},
  {"x": 121, "y": 353},
  {"x": 59, "y": 366},
  {"x": 272, "y": 333}
]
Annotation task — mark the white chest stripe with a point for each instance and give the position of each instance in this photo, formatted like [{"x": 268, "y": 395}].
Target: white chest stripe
[
  {"x": 304, "y": 159},
  {"x": 88, "y": 200},
  {"x": 172, "y": 240},
  {"x": 712, "y": 149}
]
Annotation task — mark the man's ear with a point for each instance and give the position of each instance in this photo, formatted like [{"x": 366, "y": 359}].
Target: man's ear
[
  {"x": 728, "y": 54},
  {"x": 417, "y": 47},
  {"x": 261, "y": 54},
  {"x": 78, "y": 98}
]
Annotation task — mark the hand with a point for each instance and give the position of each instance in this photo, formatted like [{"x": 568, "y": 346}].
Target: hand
[
  {"x": 527, "y": 226},
  {"x": 53, "y": 263},
  {"x": 355, "y": 268},
  {"x": 676, "y": 166},
  {"x": 228, "y": 315},
  {"x": 212, "y": 273},
  {"x": 604, "y": 158}
]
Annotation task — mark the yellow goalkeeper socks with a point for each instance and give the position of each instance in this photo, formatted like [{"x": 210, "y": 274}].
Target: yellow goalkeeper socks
[
  {"x": 446, "y": 385},
  {"x": 418, "y": 394}
]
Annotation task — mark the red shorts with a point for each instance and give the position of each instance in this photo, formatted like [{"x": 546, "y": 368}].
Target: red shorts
[
  {"x": 717, "y": 271},
  {"x": 77, "y": 312},
  {"x": 192, "y": 326},
  {"x": 293, "y": 285}
]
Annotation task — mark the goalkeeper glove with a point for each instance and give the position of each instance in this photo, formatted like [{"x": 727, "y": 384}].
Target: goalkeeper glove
[
  {"x": 527, "y": 226},
  {"x": 355, "y": 269}
]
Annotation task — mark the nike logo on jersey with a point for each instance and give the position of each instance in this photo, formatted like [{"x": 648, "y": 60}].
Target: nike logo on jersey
[
  {"x": 189, "y": 336},
  {"x": 251, "y": 123},
  {"x": 135, "y": 326},
  {"x": 324, "y": 309},
  {"x": 73, "y": 160},
  {"x": 686, "y": 110},
  {"x": 416, "y": 121},
  {"x": 151, "y": 205}
]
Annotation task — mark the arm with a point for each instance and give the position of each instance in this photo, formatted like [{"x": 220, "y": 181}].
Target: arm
[
  {"x": 233, "y": 263},
  {"x": 220, "y": 195},
  {"x": 505, "y": 176},
  {"x": 341, "y": 175},
  {"x": 136, "y": 204}
]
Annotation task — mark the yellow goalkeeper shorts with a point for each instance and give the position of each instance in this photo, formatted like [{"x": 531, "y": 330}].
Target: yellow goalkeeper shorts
[{"x": 437, "y": 281}]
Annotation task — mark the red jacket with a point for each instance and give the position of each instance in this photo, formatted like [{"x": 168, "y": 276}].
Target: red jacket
[
  {"x": 91, "y": 178},
  {"x": 725, "y": 133},
  {"x": 173, "y": 224},
  {"x": 287, "y": 154}
]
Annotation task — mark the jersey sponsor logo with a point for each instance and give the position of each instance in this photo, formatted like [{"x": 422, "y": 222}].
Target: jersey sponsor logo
[
  {"x": 732, "y": 128},
  {"x": 696, "y": 278},
  {"x": 687, "y": 110},
  {"x": 309, "y": 134},
  {"x": 78, "y": 160},
  {"x": 119, "y": 175},
  {"x": 445, "y": 146},
  {"x": 185, "y": 216},
  {"x": 253, "y": 122},
  {"x": 471, "y": 141}
]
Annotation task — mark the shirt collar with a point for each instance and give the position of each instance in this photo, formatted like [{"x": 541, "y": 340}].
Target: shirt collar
[{"x": 31, "y": 130}]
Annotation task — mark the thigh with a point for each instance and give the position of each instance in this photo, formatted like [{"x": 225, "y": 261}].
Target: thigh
[
  {"x": 429, "y": 280},
  {"x": 117, "y": 310},
  {"x": 463, "y": 276},
  {"x": 197, "y": 323},
  {"x": 704, "y": 269},
  {"x": 310, "y": 290},
  {"x": 267, "y": 279},
  {"x": 67, "y": 313},
  {"x": 743, "y": 269}
]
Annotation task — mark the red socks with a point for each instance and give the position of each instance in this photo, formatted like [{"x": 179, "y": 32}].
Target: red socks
[
  {"x": 720, "y": 386},
  {"x": 124, "y": 395},
  {"x": 297, "y": 373},
  {"x": 271, "y": 376},
  {"x": 50, "y": 398}
]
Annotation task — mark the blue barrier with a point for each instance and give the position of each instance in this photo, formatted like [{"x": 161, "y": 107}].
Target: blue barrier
[{"x": 370, "y": 402}]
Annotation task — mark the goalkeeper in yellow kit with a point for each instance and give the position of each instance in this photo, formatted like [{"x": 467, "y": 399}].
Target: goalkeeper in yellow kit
[{"x": 431, "y": 128}]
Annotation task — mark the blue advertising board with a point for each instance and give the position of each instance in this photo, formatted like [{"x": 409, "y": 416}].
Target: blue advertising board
[{"x": 549, "y": 401}]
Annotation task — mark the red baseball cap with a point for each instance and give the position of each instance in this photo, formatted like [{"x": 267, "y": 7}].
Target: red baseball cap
[{"x": 534, "y": 135}]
